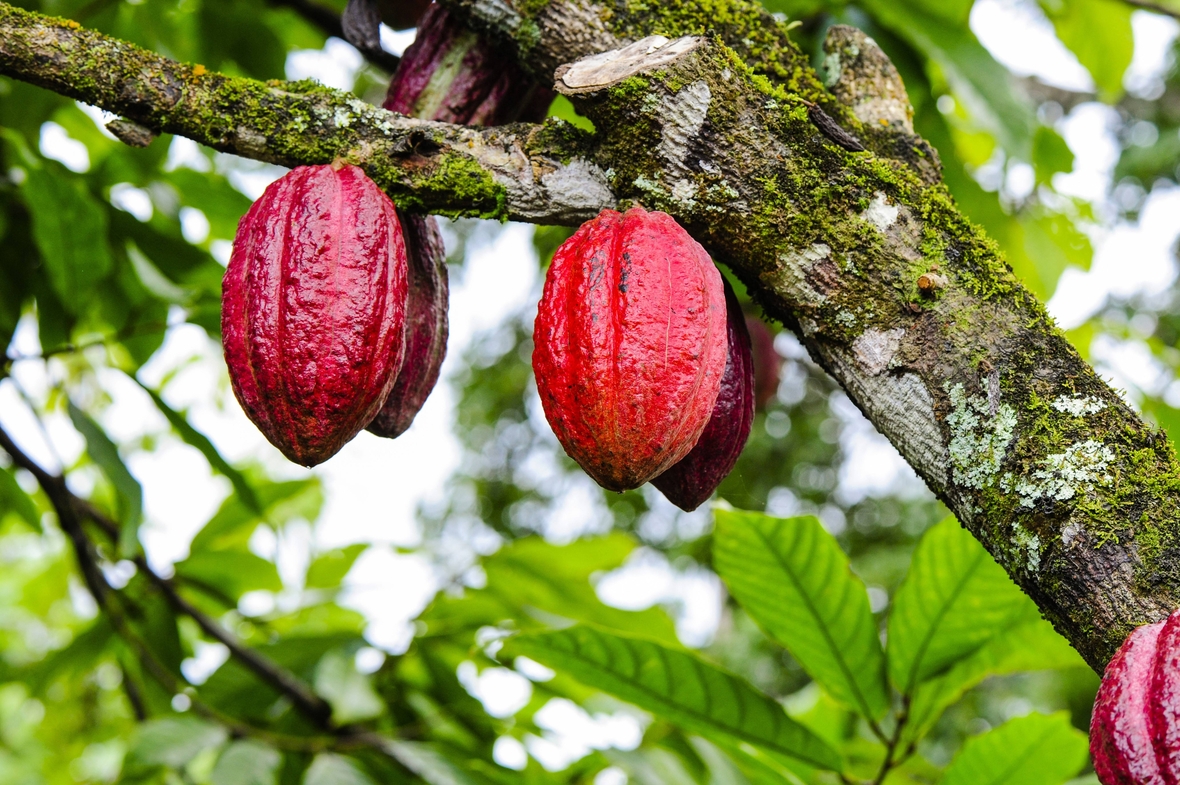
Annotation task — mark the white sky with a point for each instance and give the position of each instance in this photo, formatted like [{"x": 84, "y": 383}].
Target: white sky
[{"x": 374, "y": 485}]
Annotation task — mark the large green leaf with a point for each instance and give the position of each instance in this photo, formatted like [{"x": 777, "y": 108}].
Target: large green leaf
[
  {"x": 235, "y": 521},
  {"x": 246, "y": 762},
  {"x": 983, "y": 85},
  {"x": 954, "y": 598},
  {"x": 349, "y": 692},
  {"x": 677, "y": 686},
  {"x": 1099, "y": 33},
  {"x": 104, "y": 453},
  {"x": 1037, "y": 749},
  {"x": 1029, "y": 643},
  {"x": 792, "y": 578},
  {"x": 70, "y": 228}
]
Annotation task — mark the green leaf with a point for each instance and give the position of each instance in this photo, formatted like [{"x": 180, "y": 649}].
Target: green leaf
[
  {"x": 80, "y": 655},
  {"x": 1099, "y": 33},
  {"x": 70, "y": 228},
  {"x": 328, "y": 569},
  {"x": 953, "y": 600},
  {"x": 432, "y": 764},
  {"x": 1029, "y": 643},
  {"x": 652, "y": 766},
  {"x": 1051, "y": 155},
  {"x": 349, "y": 692},
  {"x": 792, "y": 578},
  {"x": 246, "y": 762},
  {"x": 1038, "y": 749},
  {"x": 14, "y": 501},
  {"x": 104, "y": 453},
  {"x": 329, "y": 769},
  {"x": 195, "y": 438},
  {"x": 173, "y": 741},
  {"x": 230, "y": 572},
  {"x": 983, "y": 85},
  {"x": 677, "y": 686},
  {"x": 235, "y": 520}
]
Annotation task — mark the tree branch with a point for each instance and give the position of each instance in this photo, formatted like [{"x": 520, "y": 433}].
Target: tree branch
[
  {"x": 524, "y": 172},
  {"x": 1158, "y": 8}
]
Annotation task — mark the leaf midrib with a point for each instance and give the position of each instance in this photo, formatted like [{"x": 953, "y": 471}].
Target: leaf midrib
[
  {"x": 1016, "y": 764},
  {"x": 703, "y": 718},
  {"x": 836, "y": 653},
  {"x": 929, "y": 636}
]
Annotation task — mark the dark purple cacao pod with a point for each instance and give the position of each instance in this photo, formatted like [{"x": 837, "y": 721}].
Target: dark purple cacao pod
[
  {"x": 314, "y": 308},
  {"x": 1135, "y": 727},
  {"x": 426, "y": 327},
  {"x": 692, "y": 481},
  {"x": 629, "y": 345}
]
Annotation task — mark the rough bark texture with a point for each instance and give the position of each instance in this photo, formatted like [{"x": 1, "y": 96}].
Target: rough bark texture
[{"x": 1075, "y": 495}]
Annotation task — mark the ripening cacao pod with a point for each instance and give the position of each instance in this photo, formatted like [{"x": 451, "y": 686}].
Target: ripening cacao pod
[
  {"x": 692, "y": 481},
  {"x": 426, "y": 327},
  {"x": 1135, "y": 727},
  {"x": 313, "y": 308},
  {"x": 629, "y": 345}
]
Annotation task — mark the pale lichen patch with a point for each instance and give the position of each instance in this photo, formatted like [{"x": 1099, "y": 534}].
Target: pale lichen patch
[
  {"x": 874, "y": 349},
  {"x": 980, "y": 434},
  {"x": 1030, "y": 542},
  {"x": 880, "y": 213},
  {"x": 796, "y": 264},
  {"x": 683, "y": 115},
  {"x": 1064, "y": 475},
  {"x": 1078, "y": 406}
]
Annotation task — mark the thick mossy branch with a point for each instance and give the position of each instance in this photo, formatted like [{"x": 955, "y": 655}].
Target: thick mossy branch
[
  {"x": 524, "y": 172},
  {"x": 968, "y": 377}
]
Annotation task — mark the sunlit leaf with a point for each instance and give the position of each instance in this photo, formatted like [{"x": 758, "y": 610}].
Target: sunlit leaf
[
  {"x": 230, "y": 573},
  {"x": 246, "y": 762},
  {"x": 953, "y": 599},
  {"x": 14, "y": 501},
  {"x": 173, "y": 741},
  {"x": 327, "y": 570},
  {"x": 1037, "y": 749},
  {"x": 677, "y": 686},
  {"x": 792, "y": 577},
  {"x": 349, "y": 692},
  {"x": 432, "y": 763},
  {"x": 330, "y": 769},
  {"x": 104, "y": 453},
  {"x": 1099, "y": 33}
]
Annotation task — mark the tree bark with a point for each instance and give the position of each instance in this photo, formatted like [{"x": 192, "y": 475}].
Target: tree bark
[{"x": 909, "y": 306}]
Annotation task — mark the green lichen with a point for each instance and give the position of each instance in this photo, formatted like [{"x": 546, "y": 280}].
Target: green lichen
[{"x": 981, "y": 429}]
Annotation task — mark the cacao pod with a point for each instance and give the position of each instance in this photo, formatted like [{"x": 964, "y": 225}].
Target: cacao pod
[
  {"x": 692, "y": 481},
  {"x": 426, "y": 327},
  {"x": 629, "y": 345},
  {"x": 313, "y": 309},
  {"x": 1135, "y": 727},
  {"x": 767, "y": 362}
]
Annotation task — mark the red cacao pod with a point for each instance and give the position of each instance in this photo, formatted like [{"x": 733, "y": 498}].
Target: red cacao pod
[
  {"x": 692, "y": 481},
  {"x": 313, "y": 309},
  {"x": 1135, "y": 727},
  {"x": 629, "y": 345},
  {"x": 426, "y": 327}
]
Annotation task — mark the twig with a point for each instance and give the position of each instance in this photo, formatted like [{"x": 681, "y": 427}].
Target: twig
[{"x": 1159, "y": 8}]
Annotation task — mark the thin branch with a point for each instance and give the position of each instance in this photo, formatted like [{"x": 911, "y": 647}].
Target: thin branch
[
  {"x": 521, "y": 172},
  {"x": 1159, "y": 8}
]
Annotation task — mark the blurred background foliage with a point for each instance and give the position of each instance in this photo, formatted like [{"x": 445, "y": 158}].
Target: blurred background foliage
[{"x": 105, "y": 249}]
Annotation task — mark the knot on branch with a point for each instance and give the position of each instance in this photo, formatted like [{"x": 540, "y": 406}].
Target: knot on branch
[{"x": 863, "y": 78}]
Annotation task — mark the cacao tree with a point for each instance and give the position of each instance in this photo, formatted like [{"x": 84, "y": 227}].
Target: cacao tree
[{"x": 832, "y": 158}]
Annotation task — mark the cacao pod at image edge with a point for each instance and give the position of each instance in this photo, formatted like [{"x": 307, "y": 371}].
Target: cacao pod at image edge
[
  {"x": 313, "y": 309},
  {"x": 629, "y": 345}
]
